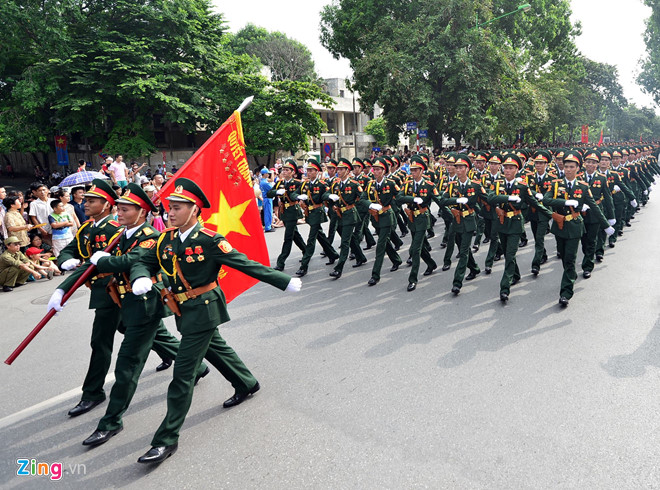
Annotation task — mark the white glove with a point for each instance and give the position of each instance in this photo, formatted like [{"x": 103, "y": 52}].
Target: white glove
[
  {"x": 572, "y": 203},
  {"x": 616, "y": 188},
  {"x": 514, "y": 199},
  {"x": 302, "y": 197},
  {"x": 539, "y": 196},
  {"x": 375, "y": 206},
  {"x": 612, "y": 222},
  {"x": 646, "y": 193},
  {"x": 333, "y": 197},
  {"x": 462, "y": 200},
  {"x": 418, "y": 200},
  {"x": 70, "y": 264},
  {"x": 279, "y": 192},
  {"x": 294, "y": 285},
  {"x": 55, "y": 300},
  {"x": 609, "y": 230},
  {"x": 585, "y": 208},
  {"x": 649, "y": 189},
  {"x": 142, "y": 285},
  {"x": 98, "y": 255},
  {"x": 633, "y": 203}
]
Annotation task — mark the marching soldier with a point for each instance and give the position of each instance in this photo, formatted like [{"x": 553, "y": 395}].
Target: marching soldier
[
  {"x": 480, "y": 174},
  {"x": 345, "y": 194},
  {"x": 192, "y": 256},
  {"x": 539, "y": 183},
  {"x": 313, "y": 192},
  {"x": 618, "y": 181},
  {"x": 567, "y": 197},
  {"x": 381, "y": 193},
  {"x": 363, "y": 230},
  {"x": 417, "y": 194},
  {"x": 494, "y": 248},
  {"x": 331, "y": 167},
  {"x": 462, "y": 200},
  {"x": 287, "y": 189},
  {"x": 506, "y": 196}
]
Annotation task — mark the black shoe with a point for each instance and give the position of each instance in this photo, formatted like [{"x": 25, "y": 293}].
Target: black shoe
[
  {"x": 619, "y": 233},
  {"x": 164, "y": 365},
  {"x": 359, "y": 263},
  {"x": 515, "y": 281},
  {"x": 269, "y": 231},
  {"x": 201, "y": 375},
  {"x": 586, "y": 274},
  {"x": 458, "y": 255},
  {"x": 488, "y": 270},
  {"x": 278, "y": 268},
  {"x": 397, "y": 248},
  {"x": 409, "y": 261},
  {"x": 335, "y": 274},
  {"x": 523, "y": 242},
  {"x": 599, "y": 258},
  {"x": 372, "y": 282},
  {"x": 331, "y": 261},
  {"x": 323, "y": 254},
  {"x": 446, "y": 267},
  {"x": 7, "y": 289},
  {"x": 628, "y": 224},
  {"x": 535, "y": 271},
  {"x": 472, "y": 275},
  {"x": 504, "y": 297},
  {"x": 301, "y": 272},
  {"x": 563, "y": 301},
  {"x": 544, "y": 260},
  {"x": 158, "y": 454},
  {"x": 402, "y": 235},
  {"x": 101, "y": 436},
  {"x": 611, "y": 245},
  {"x": 486, "y": 240},
  {"x": 411, "y": 286},
  {"x": 475, "y": 248},
  {"x": 443, "y": 245},
  {"x": 455, "y": 290},
  {"x": 430, "y": 234},
  {"x": 351, "y": 257},
  {"x": 498, "y": 257},
  {"x": 237, "y": 399},
  {"x": 395, "y": 268},
  {"x": 83, "y": 406},
  {"x": 429, "y": 270},
  {"x": 558, "y": 255}
]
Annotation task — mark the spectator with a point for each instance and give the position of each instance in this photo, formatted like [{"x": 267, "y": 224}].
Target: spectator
[
  {"x": 15, "y": 268},
  {"x": 81, "y": 166},
  {"x": 3, "y": 211},
  {"x": 14, "y": 221},
  {"x": 61, "y": 223},
  {"x": 78, "y": 203},
  {"x": 148, "y": 173},
  {"x": 36, "y": 242},
  {"x": 40, "y": 210},
  {"x": 118, "y": 171},
  {"x": 65, "y": 196},
  {"x": 134, "y": 172},
  {"x": 159, "y": 180},
  {"x": 266, "y": 184},
  {"x": 41, "y": 264}
]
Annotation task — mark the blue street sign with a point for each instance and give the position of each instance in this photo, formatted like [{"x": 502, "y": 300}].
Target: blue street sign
[
  {"x": 410, "y": 126},
  {"x": 327, "y": 149},
  {"x": 376, "y": 149},
  {"x": 423, "y": 133}
]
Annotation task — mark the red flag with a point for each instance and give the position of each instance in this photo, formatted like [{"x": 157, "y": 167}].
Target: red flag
[
  {"x": 220, "y": 168},
  {"x": 585, "y": 134},
  {"x": 60, "y": 142},
  {"x": 600, "y": 141}
]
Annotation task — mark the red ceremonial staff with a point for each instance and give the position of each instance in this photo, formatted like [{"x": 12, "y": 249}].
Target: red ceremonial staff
[{"x": 91, "y": 270}]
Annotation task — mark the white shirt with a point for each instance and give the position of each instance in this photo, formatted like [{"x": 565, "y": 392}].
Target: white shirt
[
  {"x": 41, "y": 210},
  {"x": 119, "y": 170},
  {"x": 131, "y": 231},
  {"x": 183, "y": 235}
]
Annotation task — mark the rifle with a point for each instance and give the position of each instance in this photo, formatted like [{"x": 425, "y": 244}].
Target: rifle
[{"x": 84, "y": 277}]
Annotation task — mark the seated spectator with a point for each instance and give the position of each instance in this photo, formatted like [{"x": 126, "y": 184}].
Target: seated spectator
[
  {"x": 37, "y": 242},
  {"x": 43, "y": 265},
  {"x": 15, "y": 268},
  {"x": 14, "y": 221},
  {"x": 61, "y": 223}
]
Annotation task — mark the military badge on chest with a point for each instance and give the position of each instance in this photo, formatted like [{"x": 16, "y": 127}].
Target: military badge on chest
[{"x": 101, "y": 241}]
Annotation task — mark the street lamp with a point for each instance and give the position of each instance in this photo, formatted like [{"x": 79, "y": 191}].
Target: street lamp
[{"x": 525, "y": 7}]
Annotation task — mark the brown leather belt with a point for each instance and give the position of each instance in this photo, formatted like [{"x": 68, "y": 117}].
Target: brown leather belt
[
  {"x": 289, "y": 204},
  {"x": 193, "y": 293},
  {"x": 314, "y": 206},
  {"x": 128, "y": 289},
  {"x": 343, "y": 209},
  {"x": 101, "y": 276},
  {"x": 419, "y": 211},
  {"x": 511, "y": 214},
  {"x": 384, "y": 209}
]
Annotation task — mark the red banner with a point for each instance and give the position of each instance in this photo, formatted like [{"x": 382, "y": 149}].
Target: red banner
[
  {"x": 600, "y": 141},
  {"x": 585, "y": 134},
  {"x": 60, "y": 142},
  {"x": 220, "y": 168}
]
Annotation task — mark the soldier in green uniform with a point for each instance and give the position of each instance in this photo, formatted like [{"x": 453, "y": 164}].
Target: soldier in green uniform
[
  {"x": 140, "y": 315},
  {"x": 490, "y": 232},
  {"x": 622, "y": 195},
  {"x": 462, "y": 200},
  {"x": 362, "y": 229},
  {"x": 94, "y": 235},
  {"x": 417, "y": 194},
  {"x": 287, "y": 189},
  {"x": 345, "y": 195},
  {"x": 567, "y": 197},
  {"x": 506, "y": 196},
  {"x": 539, "y": 183},
  {"x": 331, "y": 168},
  {"x": 312, "y": 194},
  {"x": 480, "y": 174},
  {"x": 597, "y": 183},
  {"x": 381, "y": 193},
  {"x": 192, "y": 256}
]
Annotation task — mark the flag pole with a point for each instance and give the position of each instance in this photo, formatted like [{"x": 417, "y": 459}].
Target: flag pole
[{"x": 245, "y": 104}]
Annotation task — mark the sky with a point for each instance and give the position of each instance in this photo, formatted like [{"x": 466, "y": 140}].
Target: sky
[{"x": 612, "y": 33}]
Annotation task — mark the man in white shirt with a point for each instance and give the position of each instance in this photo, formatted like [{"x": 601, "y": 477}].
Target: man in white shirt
[
  {"x": 39, "y": 211},
  {"x": 118, "y": 171}
]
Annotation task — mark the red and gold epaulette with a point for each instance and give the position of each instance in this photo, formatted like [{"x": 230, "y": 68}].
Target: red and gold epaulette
[
  {"x": 114, "y": 223},
  {"x": 583, "y": 182},
  {"x": 90, "y": 220},
  {"x": 151, "y": 243},
  {"x": 208, "y": 232},
  {"x": 172, "y": 228}
]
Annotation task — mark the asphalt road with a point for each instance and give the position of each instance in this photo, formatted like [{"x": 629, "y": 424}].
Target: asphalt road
[{"x": 375, "y": 387}]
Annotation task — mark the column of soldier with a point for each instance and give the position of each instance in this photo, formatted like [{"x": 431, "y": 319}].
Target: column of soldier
[{"x": 583, "y": 196}]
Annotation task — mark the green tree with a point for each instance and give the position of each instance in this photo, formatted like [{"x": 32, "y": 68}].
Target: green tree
[
  {"x": 649, "y": 76},
  {"x": 376, "y": 127}
]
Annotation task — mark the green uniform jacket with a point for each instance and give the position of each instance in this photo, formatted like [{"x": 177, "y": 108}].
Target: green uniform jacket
[
  {"x": 135, "y": 309},
  {"x": 538, "y": 185},
  {"x": 316, "y": 192},
  {"x": 602, "y": 196},
  {"x": 498, "y": 196},
  {"x": 386, "y": 196},
  {"x": 557, "y": 197},
  {"x": 473, "y": 192},
  {"x": 292, "y": 211},
  {"x": 349, "y": 195},
  {"x": 8, "y": 260},
  {"x": 427, "y": 192},
  {"x": 200, "y": 258},
  {"x": 615, "y": 178},
  {"x": 90, "y": 239}
]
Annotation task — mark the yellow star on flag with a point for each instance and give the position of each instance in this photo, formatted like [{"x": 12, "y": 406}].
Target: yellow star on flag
[
  {"x": 227, "y": 218},
  {"x": 60, "y": 141}
]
